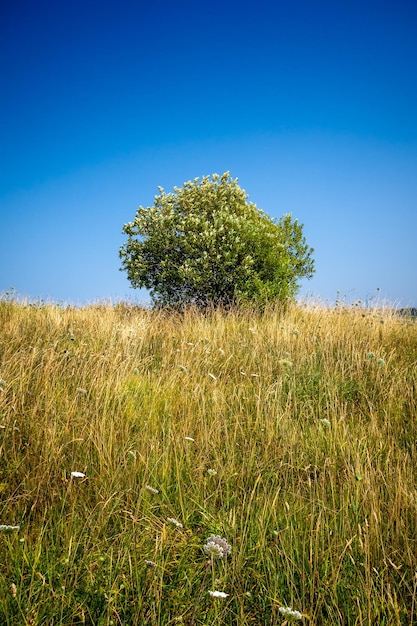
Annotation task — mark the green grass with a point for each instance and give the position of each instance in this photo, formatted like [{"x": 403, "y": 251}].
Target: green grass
[{"x": 307, "y": 417}]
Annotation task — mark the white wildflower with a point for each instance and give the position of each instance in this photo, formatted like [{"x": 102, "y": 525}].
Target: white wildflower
[
  {"x": 212, "y": 472},
  {"x": 6, "y": 528},
  {"x": 174, "y": 521},
  {"x": 326, "y": 422},
  {"x": 218, "y": 594},
  {"x": 217, "y": 547},
  {"x": 214, "y": 550},
  {"x": 290, "y": 614}
]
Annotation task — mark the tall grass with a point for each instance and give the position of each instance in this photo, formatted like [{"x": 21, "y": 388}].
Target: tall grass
[{"x": 292, "y": 434}]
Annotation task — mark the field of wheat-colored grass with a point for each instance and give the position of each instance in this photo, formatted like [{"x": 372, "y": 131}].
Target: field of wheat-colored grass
[{"x": 291, "y": 434}]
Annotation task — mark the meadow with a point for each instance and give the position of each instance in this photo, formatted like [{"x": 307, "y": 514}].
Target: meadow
[{"x": 207, "y": 469}]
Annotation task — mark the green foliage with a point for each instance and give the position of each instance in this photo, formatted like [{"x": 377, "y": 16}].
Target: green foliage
[{"x": 205, "y": 244}]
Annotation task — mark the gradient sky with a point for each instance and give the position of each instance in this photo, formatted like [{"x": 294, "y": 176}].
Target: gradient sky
[{"x": 311, "y": 104}]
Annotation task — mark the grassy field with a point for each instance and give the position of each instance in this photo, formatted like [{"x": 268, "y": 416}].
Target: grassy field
[{"x": 292, "y": 435}]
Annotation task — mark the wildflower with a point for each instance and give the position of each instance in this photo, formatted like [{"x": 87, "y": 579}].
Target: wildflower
[
  {"x": 212, "y": 472},
  {"x": 182, "y": 368},
  {"x": 132, "y": 455},
  {"x": 151, "y": 489},
  {"x": 77, "y": 474},
  {"x": 150, "y": 563},
  {"x": 213, "y": 549},
  {"x": 380, "y": 362},
  {"x": 217, "y": 547},
  {"x": 6, "y": 528},
  {"x": 326, "y": 422},
  {"x": 370, "y": 355},
  {"x": 218, "y": 594},
  {"x": 174, "y": 521},
  {"x": 290, "y": 614}
]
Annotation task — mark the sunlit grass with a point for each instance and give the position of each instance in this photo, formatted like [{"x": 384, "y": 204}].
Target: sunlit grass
[{"x": 134, "y": 442}]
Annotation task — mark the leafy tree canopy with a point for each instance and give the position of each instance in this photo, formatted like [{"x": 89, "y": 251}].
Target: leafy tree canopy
[{"x": 206, "y": 244}]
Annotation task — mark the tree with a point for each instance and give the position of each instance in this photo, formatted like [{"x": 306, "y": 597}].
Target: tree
[{"x": 206, "y": 244}]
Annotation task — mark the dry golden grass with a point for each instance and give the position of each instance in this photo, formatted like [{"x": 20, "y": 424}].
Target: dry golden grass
[{"x": 306, "y": 419}]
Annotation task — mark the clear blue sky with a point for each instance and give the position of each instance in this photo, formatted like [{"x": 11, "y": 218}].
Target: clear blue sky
[{"x": 311, "y": 104}]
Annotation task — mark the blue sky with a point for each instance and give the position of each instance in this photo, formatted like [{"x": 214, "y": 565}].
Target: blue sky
[{"x": 311, "y": 104}]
